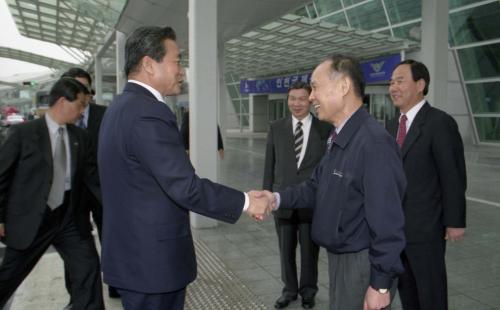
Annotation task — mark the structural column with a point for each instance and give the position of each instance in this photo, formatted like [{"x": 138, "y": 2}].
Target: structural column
[
  {"x": 203, "y": 94},
  {"x": 120, "y": 61},
  {"x": 434, "y": 47},
  {"x": 98, "y": 79}
]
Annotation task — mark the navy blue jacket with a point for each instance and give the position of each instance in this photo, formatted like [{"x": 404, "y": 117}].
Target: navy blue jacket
[
  {"x": 148, "y": 188},
  {"x": 356, "y": 192}
]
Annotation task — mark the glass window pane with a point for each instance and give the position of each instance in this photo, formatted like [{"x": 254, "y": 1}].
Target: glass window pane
[
  {"x": 488, "y": 128},
  {"x": 338, "y": 19},
  {"x": 411, "y": 31},
  {"x": 458, "y": 3},
  {"x": 474, "y": 25},
  {"x": 244, "y": 106},
  {"x": 484, "y": 97},
  {"x": 403, "y": 10},
  {"x": 233, "y": 92},
  {"x": 367, "y": 16},
  {"x": 236, "y": 105},
  {"x": 244, "y": 120},
  {"x": 312, "y": 11},
  {"x": 327, "y": 6},
  {"x": 480, "y": 62}
]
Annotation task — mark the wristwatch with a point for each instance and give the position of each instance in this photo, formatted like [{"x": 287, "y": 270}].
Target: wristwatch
[{"x": 382, "y": 290}]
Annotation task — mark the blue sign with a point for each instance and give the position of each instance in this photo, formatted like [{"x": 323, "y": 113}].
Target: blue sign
[
  {"x": 374, "y": 71},
  {"x": 274, "y": 85},
  {"x": 379, "y": 69}
]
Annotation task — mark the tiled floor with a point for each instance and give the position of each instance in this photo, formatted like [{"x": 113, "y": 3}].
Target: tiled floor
[{"x": 249, "y": 249}]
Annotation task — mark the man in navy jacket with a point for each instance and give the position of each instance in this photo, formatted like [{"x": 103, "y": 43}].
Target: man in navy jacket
[
  {"x": 149, "y": 185},
  {"x": 356, "y": 192}
]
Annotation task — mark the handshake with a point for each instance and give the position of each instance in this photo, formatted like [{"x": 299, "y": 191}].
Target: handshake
[{"x": 261, "y": 204}]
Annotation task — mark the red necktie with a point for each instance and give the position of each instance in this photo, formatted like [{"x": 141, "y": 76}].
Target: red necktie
[{"x": 400, "y": 139}]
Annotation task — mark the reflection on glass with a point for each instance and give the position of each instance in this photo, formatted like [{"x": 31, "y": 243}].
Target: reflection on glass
[
  {"x": 351, "y": 2},
  {"x": 327, "y": 6},
  {"x": 367, "y": 16},
  {"x": 458, "y": 3},
  {"x": 480, "y": 62},
  {"x": 411, "y": 31},
  {"x": 403, "y": 10},
  {"x": 488, "y": 129},
  {"x": 484, "y": 97},
  {"x": 338, "y": 19},
  {"x": 475, "y": 25}
]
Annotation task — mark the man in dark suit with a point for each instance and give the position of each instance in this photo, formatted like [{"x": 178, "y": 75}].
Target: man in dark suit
[
  {"x": 185, "y": 135},
  {"x": 295, "y": 145},
  {"x": 434, "y": 204},
  {"x": 90, "y": 121},
  {"x": 44, "y": 164},
  {"x": 149, "y": 185},
  {"x": 356, "y": 192}
]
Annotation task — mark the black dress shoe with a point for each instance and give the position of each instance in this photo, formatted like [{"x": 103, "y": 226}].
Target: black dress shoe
[
  {"x": 113, "y": 292},
  {"x": 283, "y": 301},
  {"x": 308, "y": 303}
]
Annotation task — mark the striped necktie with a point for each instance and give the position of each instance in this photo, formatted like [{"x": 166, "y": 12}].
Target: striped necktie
[{"x": 298, "y": 138}]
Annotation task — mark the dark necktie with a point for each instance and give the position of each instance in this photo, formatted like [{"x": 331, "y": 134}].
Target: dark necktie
[
  {"x": 298, "y": 138},
  {"x": 400, "y": 139},
  {"x": 330, "y": 140},
  {"x": 81, "y": 123},
  {"x": 56, "y": 194}
]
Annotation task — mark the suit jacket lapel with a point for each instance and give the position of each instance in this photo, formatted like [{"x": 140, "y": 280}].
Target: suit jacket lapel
[
  {"x": 414, "y": 131},
  {"x": 73, "y": 146},
  {"x": 289, "y": 142},
  {"x": 43, "y": 140}
]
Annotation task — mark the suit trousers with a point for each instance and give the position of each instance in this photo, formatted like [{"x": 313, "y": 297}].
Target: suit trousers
[
  {"x": 79, "y": 255},
  {"x": 349, "y": 275},
  {"x": 132, "y": 300},
  {"x": 423, "y": 285},
  {"x": 290, "y": 232}
]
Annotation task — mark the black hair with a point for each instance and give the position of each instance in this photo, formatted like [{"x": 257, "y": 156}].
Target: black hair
[
  {"x": 68, "y": 88},
  {"x": 350, "y": 67},
  {"x": 146, "y": 41},
  {"x": 77, "y": 73},
  {"x": 300, "y": 85},
  {"x": 418, "y": 71}
]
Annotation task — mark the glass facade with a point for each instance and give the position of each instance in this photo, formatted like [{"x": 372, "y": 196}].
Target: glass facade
[
  {"x": 484, "y": 97},
  {"x": 240, "y": 102},
  {"x": 475, "y": 24}
]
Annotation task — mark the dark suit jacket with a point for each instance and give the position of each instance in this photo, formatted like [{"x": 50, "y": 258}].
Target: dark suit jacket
[
  {"x": 280, "y": 170},
  {"x": 26, "y": 178},
  {"x": 96, "y": 113},
  {"x": 433, "y": 159},
  {"x": 149, "y": 187}
]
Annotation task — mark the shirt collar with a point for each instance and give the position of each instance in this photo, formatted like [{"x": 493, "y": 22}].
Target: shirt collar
[
  {"x": 413, "y": 111},
  {"x": 305, "y": 121},
  {"x": 155, "y": 93},
  {"x": 52, "y": 125}
]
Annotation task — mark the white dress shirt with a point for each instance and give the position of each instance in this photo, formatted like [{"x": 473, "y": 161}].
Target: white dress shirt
[
  {"x": 410, "y": 115},
  {"x": 53, "y": 134}
]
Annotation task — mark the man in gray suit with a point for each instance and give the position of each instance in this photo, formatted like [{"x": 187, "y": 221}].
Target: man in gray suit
[{"x": 295, "y": 144}]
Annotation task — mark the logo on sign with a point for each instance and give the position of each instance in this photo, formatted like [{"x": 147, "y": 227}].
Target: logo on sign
[{"x": 377, "y": 66}]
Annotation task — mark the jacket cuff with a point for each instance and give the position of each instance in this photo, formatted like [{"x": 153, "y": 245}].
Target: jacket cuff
[{"x": 379, "y": 280}]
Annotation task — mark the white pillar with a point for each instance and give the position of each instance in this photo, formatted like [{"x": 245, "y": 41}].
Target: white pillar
[
  {"x": 203, "y": 87},
  {"x": 98, "y": 79},
  {"x": 434, "y": 47},
  {"x": 120, "y": 61}
]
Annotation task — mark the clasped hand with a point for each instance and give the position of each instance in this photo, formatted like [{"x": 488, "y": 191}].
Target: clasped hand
[{"x": 261, "y": 204}]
